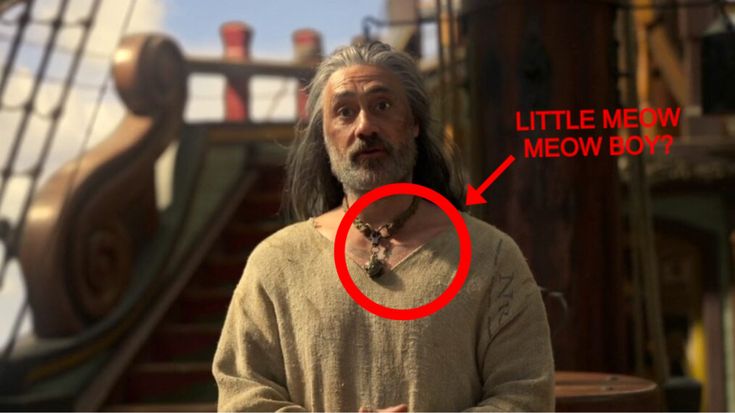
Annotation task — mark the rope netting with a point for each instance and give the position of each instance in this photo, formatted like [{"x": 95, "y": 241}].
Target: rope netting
[{"x": 30, "y": 131}]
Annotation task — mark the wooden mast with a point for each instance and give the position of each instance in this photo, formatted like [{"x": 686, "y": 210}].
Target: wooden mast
[{"x": 563, "y": 212}]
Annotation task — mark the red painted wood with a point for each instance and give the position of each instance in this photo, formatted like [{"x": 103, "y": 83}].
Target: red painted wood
[
  {"x": 236, "y": 37},
  {"x": 307, "y": 44}
]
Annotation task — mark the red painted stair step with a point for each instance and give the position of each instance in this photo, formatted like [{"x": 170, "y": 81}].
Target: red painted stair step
[
  {"x": 195, "y": 342},
  {"x": 238, "y": 237},
  {"x": 202, "y": 304},
  {"x": 259, "y": 206},
  {"x": 153, "y": 382}
]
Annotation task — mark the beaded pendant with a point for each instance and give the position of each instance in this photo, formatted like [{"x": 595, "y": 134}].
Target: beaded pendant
[{"x": 376, "y": 266}]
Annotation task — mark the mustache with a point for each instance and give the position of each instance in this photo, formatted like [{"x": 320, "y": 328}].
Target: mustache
[{"x": 372, "y": 143}]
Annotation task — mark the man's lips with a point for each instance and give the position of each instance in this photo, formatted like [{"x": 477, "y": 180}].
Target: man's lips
[{"x": 370, "y": 152}]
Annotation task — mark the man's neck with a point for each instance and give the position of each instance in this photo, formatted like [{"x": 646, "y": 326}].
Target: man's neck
[{"x": 383, "y": 210}]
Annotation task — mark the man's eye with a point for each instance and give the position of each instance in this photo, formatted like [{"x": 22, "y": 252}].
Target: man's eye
[
  {"x": 345, "y": 112},
  {"x": 383, "y": 105}
]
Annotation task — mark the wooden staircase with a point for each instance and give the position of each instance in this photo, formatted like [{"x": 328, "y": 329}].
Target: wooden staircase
[{"x": 172, "y": 372}]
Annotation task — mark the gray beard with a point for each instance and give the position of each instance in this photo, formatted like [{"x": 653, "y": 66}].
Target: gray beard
[{"x": 360, "y": 176}]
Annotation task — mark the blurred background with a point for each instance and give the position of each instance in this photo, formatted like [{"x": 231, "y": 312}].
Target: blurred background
[{"x": 141, "y": 153}]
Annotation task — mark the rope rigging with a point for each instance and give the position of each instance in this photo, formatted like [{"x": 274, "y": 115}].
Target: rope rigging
[{"x": 11, "y": 235}]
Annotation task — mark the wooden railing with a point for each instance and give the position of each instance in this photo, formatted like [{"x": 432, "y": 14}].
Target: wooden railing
[
  {"x": 93, "y": 216},
  {"x": 101, "y": 261},
  {"x": 89, "y": 221}
]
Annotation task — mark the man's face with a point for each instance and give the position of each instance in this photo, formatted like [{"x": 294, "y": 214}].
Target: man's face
[{"x": 369, "y": 130}]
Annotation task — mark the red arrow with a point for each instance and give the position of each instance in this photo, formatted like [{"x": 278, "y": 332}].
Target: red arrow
[{"x": 474, "y": 196}]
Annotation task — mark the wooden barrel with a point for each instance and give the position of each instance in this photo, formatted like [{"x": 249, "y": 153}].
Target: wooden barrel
[{"x": 602, "y": 392}]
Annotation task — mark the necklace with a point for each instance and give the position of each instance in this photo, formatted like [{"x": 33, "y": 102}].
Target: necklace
[{"x": 376, "y": 265}]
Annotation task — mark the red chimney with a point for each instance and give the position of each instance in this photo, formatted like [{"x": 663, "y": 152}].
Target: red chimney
[
  {"x": 307, "y": 45},
  {"x": 236, "y": 37}
]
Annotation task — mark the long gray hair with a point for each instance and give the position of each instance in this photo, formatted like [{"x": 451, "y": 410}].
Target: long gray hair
[{"x": 311, "y": 189}]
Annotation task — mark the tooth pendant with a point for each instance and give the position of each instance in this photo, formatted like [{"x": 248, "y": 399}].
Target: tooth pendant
[{"x": 374, "y": 268}]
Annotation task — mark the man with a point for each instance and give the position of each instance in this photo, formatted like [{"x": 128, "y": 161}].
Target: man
[{"x": 294, "y": 340}]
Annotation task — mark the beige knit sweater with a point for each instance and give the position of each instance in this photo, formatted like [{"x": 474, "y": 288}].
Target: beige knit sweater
[{"x": 294, "y": 340}]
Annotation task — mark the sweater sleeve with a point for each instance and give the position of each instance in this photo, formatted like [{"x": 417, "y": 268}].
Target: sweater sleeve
[
  {"x": 514, "y": 349},
  {"x": 248, "y": 364}
]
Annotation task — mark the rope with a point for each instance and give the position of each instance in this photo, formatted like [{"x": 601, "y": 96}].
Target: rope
[
  {"x": 55, "y": 116},
  {"x": 13, "y": 52},
  {"x": 14, "y": 236},
  {"x": 10, "y": 162},
  {"x": 17, "y": 323},
  {"x": 104, "y": 86},
  {"x": 277, "y": 98},
  {"x": 43, "y": 22},
  {"x": 60, "y": 48},
  {"x": 58, "y": 80},
  {"x": 102, "y": 91}
]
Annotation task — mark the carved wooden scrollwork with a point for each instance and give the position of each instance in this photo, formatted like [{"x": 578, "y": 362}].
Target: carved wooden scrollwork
[
  {"x": 150, "y": 73},
  {"x": 106, "y": 268},
  {"x": 88, "y": 222}
]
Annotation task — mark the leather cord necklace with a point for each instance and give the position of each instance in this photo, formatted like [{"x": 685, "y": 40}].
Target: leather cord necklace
[{"x": 376, "y": 265}]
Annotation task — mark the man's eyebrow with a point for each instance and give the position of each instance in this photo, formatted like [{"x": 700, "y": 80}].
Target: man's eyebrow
[
  {"x": 378, "y": 89},
  {"x": 344, "y": 94},
  {"x": 371, "y": 91}
]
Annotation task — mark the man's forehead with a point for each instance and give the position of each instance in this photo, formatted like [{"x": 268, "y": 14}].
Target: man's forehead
[{"x": 363, "y": 78}]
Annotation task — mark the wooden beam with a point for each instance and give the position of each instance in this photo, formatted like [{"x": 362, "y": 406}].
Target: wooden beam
[
  {"x": 669, "y": 63},
  {"x": 236, "y": 68},
  {"x": 251, "y": 132}
]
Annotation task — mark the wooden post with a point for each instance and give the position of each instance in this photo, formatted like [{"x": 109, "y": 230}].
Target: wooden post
[
  {"x": 307, "y": 46},
  {"x": 563, "y": 212},
  {"x": 236, "y": 37}
]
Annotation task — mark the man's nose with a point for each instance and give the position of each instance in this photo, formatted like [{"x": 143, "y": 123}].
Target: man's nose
[{"x": 365, "y": 126}]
